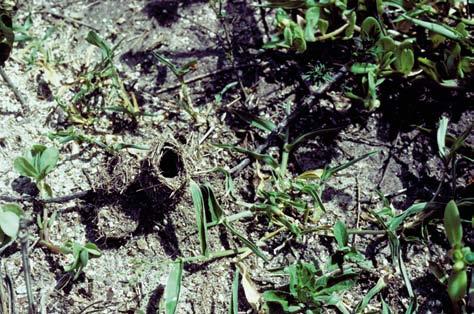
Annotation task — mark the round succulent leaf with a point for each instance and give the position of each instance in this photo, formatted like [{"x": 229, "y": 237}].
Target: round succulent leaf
[
  {"x": 9, "y": 223},
  {"x": 457, "y": 285},
  {"x": 452, "y": 224}
]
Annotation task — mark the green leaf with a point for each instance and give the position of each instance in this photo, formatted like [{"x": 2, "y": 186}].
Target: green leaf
[
  {"x": 312, "y": 19},
  {"x": 363, "y": 68},
  {"x": 94, "y": 39},
  {"x": 349, "y": 32},
  {"x": 25, "y": 168},
  {"x": 370, "y": 28},
  {"x": 405, "y": 60},
  {"x": 48, "y": 160},
  {"x": 265, "y": 158},
  {"x": 9, "y": 223},
  {"x": 438, "y": 28},
  {"x": 92, "y": 249},
  {"x": 386, "y": 308},
  {"x": 381, "y": 284},
  {"x": 246, "y": 241},
  {"x": 331, "y": 171},
  {"x": 414, "y": 209},
  {"x": 260, "y": 123},
  {"x": 340, "y": 233},
  {"x": 198, "y": 201},
  {"x": 298, "y": 140},
  {"x": 173, "y": 287},
  {"x": 441, "y": 136},
  {"x": 279, "y": 297},
  {"x": 13, "y": 208},
  {"x": 457, "y": 285},
  {"x": 84, "y": 257},
  {"x": 452, "y": 224}
]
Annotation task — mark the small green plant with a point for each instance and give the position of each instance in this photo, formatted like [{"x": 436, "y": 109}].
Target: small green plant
[
  {"x": 185, "y": 100},
  {"x": 81, "y": 255},
  {"x": 461, "y": 255},
  {"x": 37, "y": 163},
  {"x": 10, "y": 215},
  {"x": 100, "y": 88},
  {"x": 310, "y": 290},
  {"x": 39, "y": 52}
]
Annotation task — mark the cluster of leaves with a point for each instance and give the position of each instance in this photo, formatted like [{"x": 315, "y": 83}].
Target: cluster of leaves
[
  {"x": 80, "y": 254},
  {"x": 100, "y": 88},
  {"x": 460, "y": 254},
  {"x": 312, "y": 287},
  {"x": 37, "y": 163},
  {"x": 404, "y": 38},
  {"x": 39, "y": 53}
]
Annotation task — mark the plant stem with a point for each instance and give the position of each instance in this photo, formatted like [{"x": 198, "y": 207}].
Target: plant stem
[
  {"x": 234, "y": 217},
  {"x": 216, "y": 255},
  {"x": 26, "y": 267}
]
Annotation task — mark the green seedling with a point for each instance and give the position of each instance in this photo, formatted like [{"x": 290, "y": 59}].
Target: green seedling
[
  {"x": 205, "y": 204},
  {"x": 37, "y": 163},
  {"x": 345, "y": 252},
  {"x": 185, "y": 100},
  {"x": 310, "y": 290},
  {"x": 10, "y": 215},
  {"x": 102, "y": 79},
  {"x": 40, "y": 53},
  {"x": 461, "y": 255},
  {"x": 81, "y": 255}
]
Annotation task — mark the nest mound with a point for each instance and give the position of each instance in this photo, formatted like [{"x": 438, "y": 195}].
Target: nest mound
[
  {"x": 119, "y": 172},
  {"x": 164, "y": 171}
]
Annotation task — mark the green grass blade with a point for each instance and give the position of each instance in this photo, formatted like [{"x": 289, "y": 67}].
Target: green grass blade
[
  {"x": 332, "y": 171},
  {"x": 245, "y": 241},
  {"x": 234, "y": 302},
  {"x": 298, "y": 140},
  {"x": 198, "y": 201},
  {"x": 381, "y": 284},
  {"x": 441, "y": 29},
  {"x": 173, "y": 287},
  {"x": 265, "y": 158},
  {"x": 396, "y": 221},
  {"x": 259, "y": 123}
]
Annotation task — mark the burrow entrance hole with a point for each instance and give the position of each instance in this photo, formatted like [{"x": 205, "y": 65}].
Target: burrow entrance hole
[{"x": 171, "y": 164}]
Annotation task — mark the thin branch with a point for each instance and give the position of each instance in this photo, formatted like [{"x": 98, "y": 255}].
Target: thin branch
[
  {"x": 59, "y": 199},
  {"x": 13, "y": 88}
]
